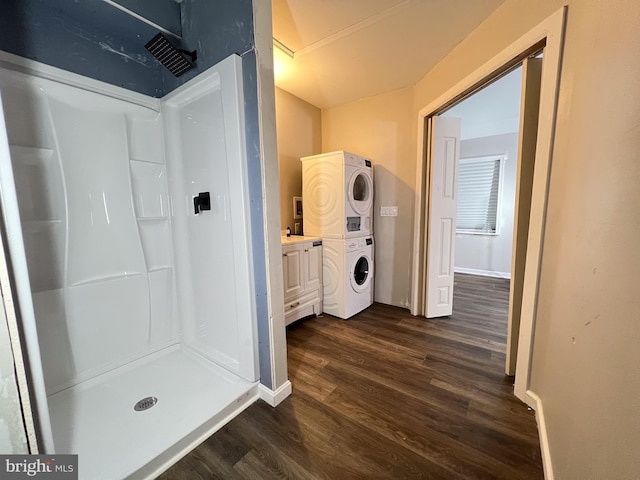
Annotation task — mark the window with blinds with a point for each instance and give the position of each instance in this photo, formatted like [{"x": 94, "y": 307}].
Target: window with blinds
[{"x": 478, "y": 194}]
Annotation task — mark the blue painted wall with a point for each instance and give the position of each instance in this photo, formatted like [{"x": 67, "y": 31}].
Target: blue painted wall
[
  {"x": 95, "y": 39},
  {"x": 98, "y": 40},
  {"x": 216, "y": 29},
  {"x": 165, "y": 13},
  {"x": 88, "y": 37}
]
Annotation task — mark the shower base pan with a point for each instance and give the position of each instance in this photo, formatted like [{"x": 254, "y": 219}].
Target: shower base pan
[{"x": 97, "y": 420}]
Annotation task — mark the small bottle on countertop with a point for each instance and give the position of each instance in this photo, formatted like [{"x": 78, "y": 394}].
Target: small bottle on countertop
[{"x": 288, "y": 231}]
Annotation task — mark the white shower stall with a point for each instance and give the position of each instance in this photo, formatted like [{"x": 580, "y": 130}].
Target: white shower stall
[{"x": 130, "y": 294}]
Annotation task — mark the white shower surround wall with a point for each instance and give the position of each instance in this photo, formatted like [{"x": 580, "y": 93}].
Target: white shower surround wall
[
  {"x": 130, "y": 288},
  {"x": 214, "y": 257}
]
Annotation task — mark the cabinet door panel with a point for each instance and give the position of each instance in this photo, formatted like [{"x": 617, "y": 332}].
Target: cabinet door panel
[
  {"x": 313, "y": 264},
  {"x": 292, "y": 271}
]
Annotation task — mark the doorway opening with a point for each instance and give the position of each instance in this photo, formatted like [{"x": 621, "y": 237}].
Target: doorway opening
[
  {"x": 431, "y": 242},
  {"x": 488, "y": 173}
]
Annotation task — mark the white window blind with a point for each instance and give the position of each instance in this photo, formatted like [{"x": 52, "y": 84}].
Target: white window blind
[{"x": 478, "y": 194}]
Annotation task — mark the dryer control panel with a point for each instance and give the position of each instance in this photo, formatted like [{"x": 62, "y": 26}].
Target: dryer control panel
[
  {"x": 356, "y": 161},
  {"x": 352, "y": 244}
]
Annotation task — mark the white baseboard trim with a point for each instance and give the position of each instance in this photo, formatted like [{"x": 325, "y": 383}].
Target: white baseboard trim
[
  {"x": 542, "y": 432},
  {"x": 484, "y": 273},
  {"x": 275, "y": 397}
]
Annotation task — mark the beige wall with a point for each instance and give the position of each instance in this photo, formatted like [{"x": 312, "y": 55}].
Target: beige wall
[
  {"x": 492, "y": 253},
  {"x": 586, "y": 338},
  {"x": 382, "y": 128},
  {"x": 299, "y": 135}
]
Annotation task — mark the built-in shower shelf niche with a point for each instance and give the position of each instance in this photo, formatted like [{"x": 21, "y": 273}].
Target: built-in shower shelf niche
[
  {"x": 163, "y": 307},
  {"x": 144, "y": 135},
  {"x": 159, "y": 269},
  {"x": 37, "y": 226},
  {"x": 22, "y": 101},
  {"x": 150, "y": 191},
  {"x": 155, "y": 233},
  {"x": 37, "y": 177},
  {"x": 106, "y": 278},
  {"x": 30, "y": 155},
  {"x": 153, "y": 219},
  {"x": 44, "y": 239},
  {"x": 39, "y": 188},
  {"x": 150, "y": 196}
]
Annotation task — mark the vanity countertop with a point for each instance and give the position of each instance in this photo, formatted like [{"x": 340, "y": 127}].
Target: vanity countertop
[{"x": 297, "y": 239}]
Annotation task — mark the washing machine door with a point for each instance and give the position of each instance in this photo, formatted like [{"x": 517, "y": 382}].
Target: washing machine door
[
  {"x": 361, "y": 272},
  {"x": 361, "y": 192}
]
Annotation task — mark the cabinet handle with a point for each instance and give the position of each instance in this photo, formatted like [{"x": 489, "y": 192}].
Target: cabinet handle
[
  {"x": 285, "y": 254},
  {"x": 294, "y": 304}
]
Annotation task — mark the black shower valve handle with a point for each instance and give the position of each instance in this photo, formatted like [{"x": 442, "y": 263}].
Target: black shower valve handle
[{"x": 202, "y": 201}]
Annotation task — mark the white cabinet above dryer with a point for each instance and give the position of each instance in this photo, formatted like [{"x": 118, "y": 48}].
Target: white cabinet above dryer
[{"x": 302, "y": 276}]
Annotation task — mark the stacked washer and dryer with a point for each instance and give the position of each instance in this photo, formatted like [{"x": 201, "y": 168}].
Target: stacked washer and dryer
[{"x": 337, "y": 191}]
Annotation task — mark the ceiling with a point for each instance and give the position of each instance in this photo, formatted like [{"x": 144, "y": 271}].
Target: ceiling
[
  {"x": 350, "y": 49},
  {"x": 494, "y": 110}
]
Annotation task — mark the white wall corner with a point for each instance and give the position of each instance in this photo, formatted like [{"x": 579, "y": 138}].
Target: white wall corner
[
  {"x": 535, "y": 402},
  {"x": 275, "y": 397}
]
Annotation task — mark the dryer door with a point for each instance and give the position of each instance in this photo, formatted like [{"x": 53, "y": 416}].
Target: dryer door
[
  {"x": 361, "y": 192},
  {"x": 361, "y": 272}
]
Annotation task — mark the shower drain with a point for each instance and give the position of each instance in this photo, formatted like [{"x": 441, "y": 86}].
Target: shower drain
[{"x": 145, "y": 404}]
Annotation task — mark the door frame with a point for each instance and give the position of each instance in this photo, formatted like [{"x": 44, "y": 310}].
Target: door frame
[{"x": 548, "y": 34}]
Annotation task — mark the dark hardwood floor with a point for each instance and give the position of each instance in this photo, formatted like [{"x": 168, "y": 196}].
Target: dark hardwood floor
[{"x": 385, "y": 395}]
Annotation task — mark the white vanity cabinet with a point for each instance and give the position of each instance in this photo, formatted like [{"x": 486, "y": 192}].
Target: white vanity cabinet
[{"x": 302, "y": 275}]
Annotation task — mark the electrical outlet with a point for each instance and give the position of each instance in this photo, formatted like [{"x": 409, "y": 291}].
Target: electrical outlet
[
  {"x": 298, "y": 228},
  {"x": 388, "y": 211}
]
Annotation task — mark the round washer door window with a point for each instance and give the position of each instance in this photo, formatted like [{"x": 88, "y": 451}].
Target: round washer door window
[
  {"x": 360, "y": 192},
  {"x": 361, "y": 273}
]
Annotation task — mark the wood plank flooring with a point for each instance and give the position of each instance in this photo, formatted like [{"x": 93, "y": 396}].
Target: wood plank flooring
[{"x": 385, "y": 395}]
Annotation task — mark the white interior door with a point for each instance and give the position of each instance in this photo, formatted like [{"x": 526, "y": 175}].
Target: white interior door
[{"x": 441, "y": 224}]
